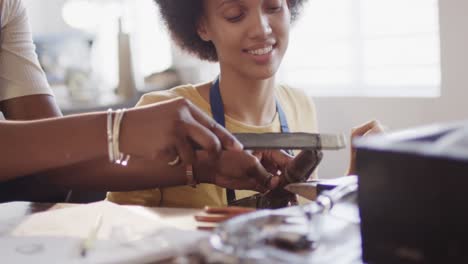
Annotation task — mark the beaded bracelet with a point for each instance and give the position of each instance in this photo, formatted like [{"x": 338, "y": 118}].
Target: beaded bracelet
[{"x": 113, "y": 133}]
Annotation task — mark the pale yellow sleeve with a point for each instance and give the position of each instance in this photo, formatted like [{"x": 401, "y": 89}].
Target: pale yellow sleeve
[
  {"x": 312, "y": 113},
  {"x": 307, "y": 114},
  {"x": 156, "y": 97}
]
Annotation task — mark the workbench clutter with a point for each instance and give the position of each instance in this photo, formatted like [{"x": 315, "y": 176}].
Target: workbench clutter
[
  {"x": 107, "y": 233},
  {"x": 323, "y": 231},
  {"x": 412, "y": 195}
]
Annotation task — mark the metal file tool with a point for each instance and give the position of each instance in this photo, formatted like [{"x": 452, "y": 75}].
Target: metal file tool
[{"x": 297, "y": 141}]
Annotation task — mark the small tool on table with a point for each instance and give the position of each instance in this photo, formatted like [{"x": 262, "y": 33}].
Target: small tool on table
[
  {"x": 311, "y": 189},
  {"x": 90, "y": 240},
  {"x": 213, "y": 215}
]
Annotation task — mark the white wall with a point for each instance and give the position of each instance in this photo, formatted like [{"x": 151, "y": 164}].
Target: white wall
[
  {"x": 340, "y": 114},
  {"x": 46, "y": 16}
]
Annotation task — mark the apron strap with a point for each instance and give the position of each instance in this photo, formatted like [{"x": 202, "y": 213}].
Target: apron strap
[{"x": 217, "y": 110}]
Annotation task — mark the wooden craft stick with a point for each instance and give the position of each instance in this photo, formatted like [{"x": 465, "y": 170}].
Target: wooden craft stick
[
  {"x": 213, "y": 218},
  {"x": 228, "y": 210},
  {"x": 206, "y": 228}
]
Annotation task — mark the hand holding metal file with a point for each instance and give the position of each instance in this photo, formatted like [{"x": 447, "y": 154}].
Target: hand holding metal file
[
  {"x": 291, "y": 141},
  {"x": 298, "y": 170}
]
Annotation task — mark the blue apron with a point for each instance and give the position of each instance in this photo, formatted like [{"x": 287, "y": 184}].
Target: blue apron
[{"x": 217, "y": 109}]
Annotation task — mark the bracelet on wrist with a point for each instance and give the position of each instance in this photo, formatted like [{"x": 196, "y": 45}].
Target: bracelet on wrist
[{"x": 114, "y": 121}]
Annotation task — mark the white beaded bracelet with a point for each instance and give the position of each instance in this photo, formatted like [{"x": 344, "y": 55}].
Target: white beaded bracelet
[
  {"x": 115, "y": 136},
  {"x": 120, "y": 158},
  {"x": 110, "y": 150},
  {"x": 113, "y": 132}
]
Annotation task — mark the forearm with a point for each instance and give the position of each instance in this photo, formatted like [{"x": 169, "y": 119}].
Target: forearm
[
  {"x": 101, "y": 175},
  {"x": 31, "y": 107},
  {"x": 51, "y": 143}
]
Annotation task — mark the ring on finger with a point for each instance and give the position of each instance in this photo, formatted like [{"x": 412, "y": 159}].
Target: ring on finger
[{"x": 175, "y": 162}]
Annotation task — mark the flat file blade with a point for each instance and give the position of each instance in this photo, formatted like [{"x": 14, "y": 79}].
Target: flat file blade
[{"x": 291, "y": 141}]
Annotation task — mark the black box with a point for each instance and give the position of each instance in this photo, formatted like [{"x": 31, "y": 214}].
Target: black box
[{"x": 413, "y": 195}]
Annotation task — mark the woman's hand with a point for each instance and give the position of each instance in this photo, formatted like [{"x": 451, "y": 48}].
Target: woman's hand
[
  {"x": 290, "y": 169},
  {"x": 234, "y": 170},
  {"x": 171, "y": 130},
  {"x": 371, "y": 127},
  {"x": 261, "y": 171}
]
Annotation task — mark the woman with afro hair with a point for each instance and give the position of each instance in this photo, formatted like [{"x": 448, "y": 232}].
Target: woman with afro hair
[{"x": 248, "y": 38}]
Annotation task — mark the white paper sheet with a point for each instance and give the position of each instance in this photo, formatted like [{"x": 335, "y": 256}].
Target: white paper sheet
[{"x": 126, "y": 236}]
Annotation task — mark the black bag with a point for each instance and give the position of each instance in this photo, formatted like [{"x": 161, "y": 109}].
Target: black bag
[{"x": 413, "y": 195}]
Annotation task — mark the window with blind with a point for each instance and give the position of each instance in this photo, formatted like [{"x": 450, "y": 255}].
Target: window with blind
[{"x": 365, "y": 48}]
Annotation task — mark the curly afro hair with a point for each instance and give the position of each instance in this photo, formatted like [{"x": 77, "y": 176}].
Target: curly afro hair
[{"x": 182, "y": 16}]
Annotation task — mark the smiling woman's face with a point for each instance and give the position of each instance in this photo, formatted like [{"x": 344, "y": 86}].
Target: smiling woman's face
[{"x": 250, "y": 36}]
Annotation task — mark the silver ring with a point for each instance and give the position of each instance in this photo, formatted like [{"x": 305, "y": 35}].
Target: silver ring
[{"x": 175, "y": 161}]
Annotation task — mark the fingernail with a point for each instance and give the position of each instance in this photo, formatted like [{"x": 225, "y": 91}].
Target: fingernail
[
  {"x": 274, "y": 181},
  {"x": 237, "y": 145}
]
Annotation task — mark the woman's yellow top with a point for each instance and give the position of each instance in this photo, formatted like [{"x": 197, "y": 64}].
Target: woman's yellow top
[{"x": 301, "y": 117}]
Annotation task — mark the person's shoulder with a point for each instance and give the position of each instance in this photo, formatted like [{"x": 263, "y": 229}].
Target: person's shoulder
[
  {"x": 10, "y": 9},
  {"x": 299, "y": 107},
  {"x": 160, "y": 96},
  {"x": 293, "y": 95}
]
